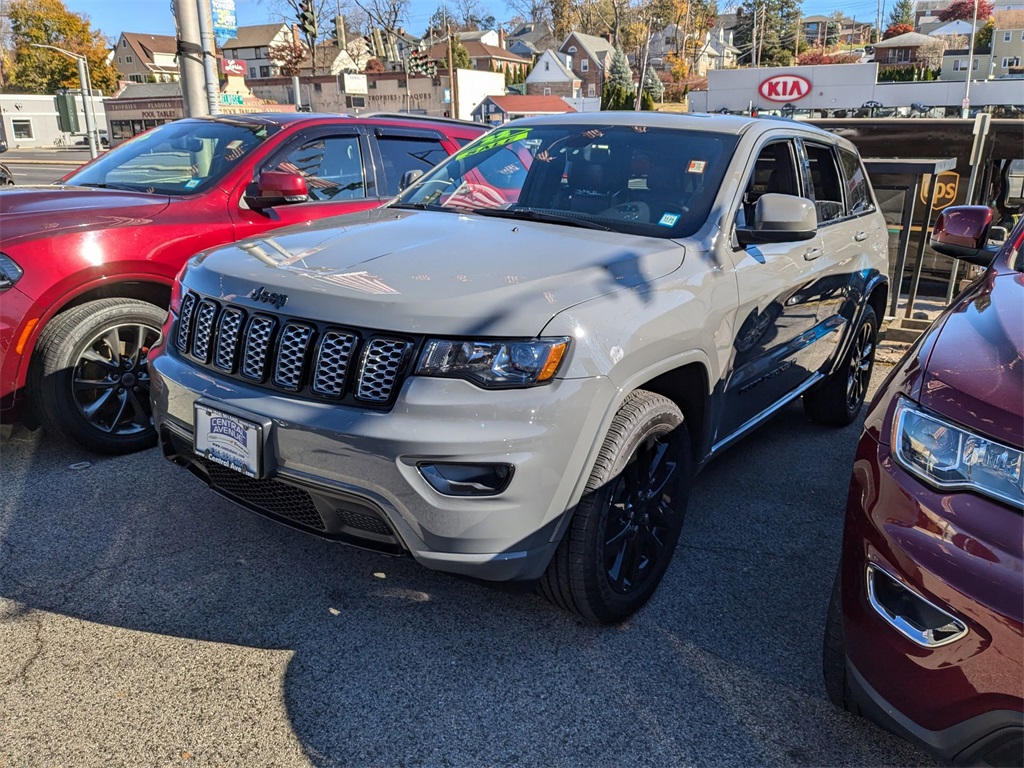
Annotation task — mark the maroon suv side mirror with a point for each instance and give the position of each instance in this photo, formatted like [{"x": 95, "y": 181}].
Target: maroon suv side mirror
[
  {"x": 278, "y": 188},
  {"x": 962, "y": 232}
]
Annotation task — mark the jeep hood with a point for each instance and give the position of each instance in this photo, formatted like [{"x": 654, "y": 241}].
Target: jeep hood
[
  {"x": 46, "y": 211},
  {"x": 432, "y": 273}
]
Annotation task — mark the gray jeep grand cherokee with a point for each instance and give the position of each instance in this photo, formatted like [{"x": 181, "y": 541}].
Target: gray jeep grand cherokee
[{"x": 513, "y": 370}]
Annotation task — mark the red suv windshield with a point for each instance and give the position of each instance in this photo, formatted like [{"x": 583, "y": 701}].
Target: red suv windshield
[{"x": 180, "y": 158}]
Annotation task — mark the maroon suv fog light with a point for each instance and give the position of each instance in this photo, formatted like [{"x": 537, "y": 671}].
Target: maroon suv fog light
[
  {"x": 467, "y": 479},
  {"x": 910, "y": 614}
]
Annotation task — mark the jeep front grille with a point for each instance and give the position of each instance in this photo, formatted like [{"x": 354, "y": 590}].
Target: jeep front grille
[{"x": 295, "y": 355}]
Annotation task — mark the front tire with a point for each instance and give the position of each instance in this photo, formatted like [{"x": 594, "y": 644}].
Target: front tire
[
  {"x": 839, "y": 399},
  {"x": 624, "y": 532},
  {"x": 89, "y": 380}
]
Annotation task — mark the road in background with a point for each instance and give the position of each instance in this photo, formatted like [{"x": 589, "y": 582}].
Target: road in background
[
  {"x": 144, "y": 620},
  {"x": 42, "y": 166}
]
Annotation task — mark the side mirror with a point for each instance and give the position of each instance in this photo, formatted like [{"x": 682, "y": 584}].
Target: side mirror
[
  {"x": 409, "y": 178},
  {"x": 278, "y": 188},
  {"x": 962, "y": 232},
  {"x": 3, "y": 145},
  {"x": 780, "y": 219}
]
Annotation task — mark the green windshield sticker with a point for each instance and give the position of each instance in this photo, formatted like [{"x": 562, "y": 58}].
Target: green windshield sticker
[{"x": 493, "y": 140}]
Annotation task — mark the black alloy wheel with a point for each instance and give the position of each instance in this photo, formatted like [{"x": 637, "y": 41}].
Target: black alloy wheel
[
  {"x": 641, "y": 516},
  {"x": 89, "y": 379},
  {"x": 110, "y": 384},
  {"x": 862, "y": 358},
  {"x": 624, "y": 530}
]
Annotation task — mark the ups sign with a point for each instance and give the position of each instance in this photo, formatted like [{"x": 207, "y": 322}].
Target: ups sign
[{"x": 946, "y": 183}]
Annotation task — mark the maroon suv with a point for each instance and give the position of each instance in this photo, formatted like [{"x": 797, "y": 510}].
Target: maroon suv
[
  {"x": 86, "y": 268},
  {"x": 924, "y": 628}
]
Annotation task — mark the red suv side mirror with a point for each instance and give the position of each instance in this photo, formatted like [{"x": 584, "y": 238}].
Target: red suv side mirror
[
  {"x": 962, "y": 232},
  {"x": 278, "y": 188}
]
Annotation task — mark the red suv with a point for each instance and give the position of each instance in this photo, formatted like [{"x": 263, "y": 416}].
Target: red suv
[
  {"x": 86, "y": 268},
  {"x": 924, "y": 632}
]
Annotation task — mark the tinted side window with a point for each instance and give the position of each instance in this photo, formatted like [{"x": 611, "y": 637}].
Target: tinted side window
[
  {"x": 331, "y": 165},
  {"x": 858, "y": 194},
  {"x": 775, "y": 170},
  {"x": 401, "y": 154},
  {"x": 828, "y": 187}
]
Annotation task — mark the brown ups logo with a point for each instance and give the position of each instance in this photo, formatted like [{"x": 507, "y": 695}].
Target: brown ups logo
[{"x": 946, "y": 185}]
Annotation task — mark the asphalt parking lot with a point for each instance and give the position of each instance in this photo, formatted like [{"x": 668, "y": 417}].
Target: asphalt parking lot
[{"x": 145, "y": 621}]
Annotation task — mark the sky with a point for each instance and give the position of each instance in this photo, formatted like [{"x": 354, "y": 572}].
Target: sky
[{"x": 154, "y": 16}]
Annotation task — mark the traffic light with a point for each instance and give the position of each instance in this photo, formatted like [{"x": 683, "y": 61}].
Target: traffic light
[
  {"x": 337, "y": 30},
  {"x": 67, "y": 114},
  {"x": 307, "y": 19}
]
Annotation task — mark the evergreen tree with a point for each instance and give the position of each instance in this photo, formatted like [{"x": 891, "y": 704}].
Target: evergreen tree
[
  {"x": 622, "y": 75},
  {"x": 459, "y": 53},
  {"x": 653, "y": 84},
  {"x": 902, "y": 13},
  {"x": 778, "y": 27}
]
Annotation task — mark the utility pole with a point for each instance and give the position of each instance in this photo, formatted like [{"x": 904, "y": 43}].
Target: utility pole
[
  {"x": 965, "y": 111},
  {"x": 190, "y": 52},
  {"x": 452, "y": 73},
  {"x": 753, "y": 39},
  {"x": 209, "y": 57}
]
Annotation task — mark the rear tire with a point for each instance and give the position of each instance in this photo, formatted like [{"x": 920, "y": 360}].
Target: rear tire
[
  {"x": 624, "y": 531},
  {"x": 89, "y": 380},
  {"x": 838, "y": 400}
]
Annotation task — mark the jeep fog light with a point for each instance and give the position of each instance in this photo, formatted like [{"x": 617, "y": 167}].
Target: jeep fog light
[
  {"x": 910, "y": 614},
  {"x": 467, "y": 479}
]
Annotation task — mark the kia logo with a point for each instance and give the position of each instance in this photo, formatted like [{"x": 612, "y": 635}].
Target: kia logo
[
  {"x": 784, "y": 88},
  {"x": 274, "y": 299}
]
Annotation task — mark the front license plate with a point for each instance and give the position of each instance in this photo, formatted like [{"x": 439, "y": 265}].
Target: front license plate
[{"x": 228, "y": 440}]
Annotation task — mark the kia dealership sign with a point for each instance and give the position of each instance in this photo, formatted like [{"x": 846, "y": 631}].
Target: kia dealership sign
[{"x": 784, "y": 88}]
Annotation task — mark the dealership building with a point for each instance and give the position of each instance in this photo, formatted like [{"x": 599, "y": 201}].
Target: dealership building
[{"x": 828, "y": 89}]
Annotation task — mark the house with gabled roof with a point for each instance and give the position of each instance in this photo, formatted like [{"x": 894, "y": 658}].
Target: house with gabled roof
[
  {"x": 551, "y": 77},
  {"x": 252, "y": 45},
  {"x": 589, "y": 57},
  {"x": 531, "y": 38},
  {"x": 141, "y": 58},
  {"x": 495, "y": 110},
  {"x": 483, "y": 57}
]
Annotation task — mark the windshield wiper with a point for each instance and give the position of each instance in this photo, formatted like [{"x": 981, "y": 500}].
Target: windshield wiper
[
  {"x": 411, "y": 206},
  {"x": 99, "y": 185},
  {"x": 529, "y": 214}
]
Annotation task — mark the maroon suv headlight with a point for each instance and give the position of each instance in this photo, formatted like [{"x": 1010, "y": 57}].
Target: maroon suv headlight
[{"x": 951, "y": 457}]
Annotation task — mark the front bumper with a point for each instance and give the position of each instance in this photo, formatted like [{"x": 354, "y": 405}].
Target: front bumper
[
  {"x": 351, "y": 474},
  {"x": 963, "y": 554}
]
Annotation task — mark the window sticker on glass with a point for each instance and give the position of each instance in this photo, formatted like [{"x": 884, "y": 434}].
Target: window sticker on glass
[
  {"x": 193, "y": 183},
  {"x": 668, "y": 219},
  {"x": 697, "y": 166},
  {"x": 496, "y": 139}
]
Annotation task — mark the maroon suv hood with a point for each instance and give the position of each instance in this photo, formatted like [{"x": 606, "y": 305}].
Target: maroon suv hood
[
  {"x": 29, "y": 212},
  {"x": 975, "y": 374}
]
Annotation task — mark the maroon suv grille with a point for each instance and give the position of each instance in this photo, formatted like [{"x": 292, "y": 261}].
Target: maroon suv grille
[{"x": 294, "y": 355}]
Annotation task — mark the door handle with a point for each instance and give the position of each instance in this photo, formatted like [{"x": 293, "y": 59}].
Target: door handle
[
  {"x": 860, "y": 236},
  {"x": 812, "y": 253}
]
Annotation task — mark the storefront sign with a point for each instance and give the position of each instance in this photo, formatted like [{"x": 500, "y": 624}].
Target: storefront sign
[
  {"x": 232, "y": 67},
  {"x": 784, "y": 88}
]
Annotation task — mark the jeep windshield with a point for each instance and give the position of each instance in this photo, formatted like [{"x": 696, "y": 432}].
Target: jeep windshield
[
  {"x": 649, "y": 181},
  {"x": 185, "y": 157}
]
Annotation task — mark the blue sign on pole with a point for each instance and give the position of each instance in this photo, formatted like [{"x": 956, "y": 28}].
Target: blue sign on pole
[{"x": 224, "y": 23}]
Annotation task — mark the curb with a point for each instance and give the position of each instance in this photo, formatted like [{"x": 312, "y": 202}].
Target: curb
[{"x": 17, "y": 161}]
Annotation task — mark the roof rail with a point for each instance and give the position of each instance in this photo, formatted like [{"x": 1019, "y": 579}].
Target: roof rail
[{"x": 427, "y": 118}]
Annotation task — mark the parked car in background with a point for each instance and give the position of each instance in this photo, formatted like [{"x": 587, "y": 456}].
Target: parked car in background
[
  {"x": 924, "y": 627},
  {"x": 87, "y": 266},
  {"x": 512, "y": 371},
  {"x": 6, "y": 177}
]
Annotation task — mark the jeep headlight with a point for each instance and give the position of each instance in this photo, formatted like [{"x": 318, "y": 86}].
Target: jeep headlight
[
  {"x": 953, "y": 458},
  {"x": 493, "y": 364},
  {"x": 10, "y": 272}
]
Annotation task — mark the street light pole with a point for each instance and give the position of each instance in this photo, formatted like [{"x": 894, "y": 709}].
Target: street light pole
[
  {"x": 83, "y": 78},
  {"x": 965, "y": 112}
]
